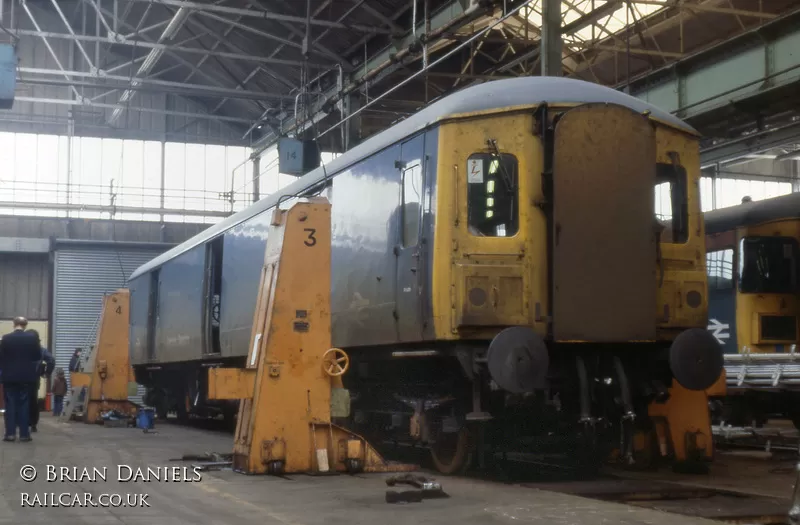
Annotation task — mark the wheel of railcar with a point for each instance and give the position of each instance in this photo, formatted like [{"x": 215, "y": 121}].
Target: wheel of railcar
[{"x": 452, "y": 452}]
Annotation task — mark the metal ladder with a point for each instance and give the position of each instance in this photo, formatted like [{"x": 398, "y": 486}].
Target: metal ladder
[{"x": 74, "y": 403}]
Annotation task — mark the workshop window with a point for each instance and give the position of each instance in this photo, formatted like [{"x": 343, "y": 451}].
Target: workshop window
[
  {"x": 492, "y": 195},
  {"x": 719, "y": 268},
  {"x": 672, "y": 202}
]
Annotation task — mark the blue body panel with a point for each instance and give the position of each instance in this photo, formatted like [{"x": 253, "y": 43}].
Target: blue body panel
[
  {"x": 140, "y": 300},
  {"x": 366, "y": 228},
  {"x": 366, "y": 197},
  {"x": 243, "y": 249},
  {"x": 722, "y": 311},
  {"x": 179, "y": 335}
]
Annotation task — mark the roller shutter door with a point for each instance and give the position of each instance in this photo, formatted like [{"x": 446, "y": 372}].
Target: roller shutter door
[{"x": 82, "y": 276}]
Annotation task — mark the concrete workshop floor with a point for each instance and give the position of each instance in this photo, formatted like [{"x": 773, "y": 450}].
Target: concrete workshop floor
[
  {"x": 224, "y": 497},
  {"x": 768, "y": 477}
]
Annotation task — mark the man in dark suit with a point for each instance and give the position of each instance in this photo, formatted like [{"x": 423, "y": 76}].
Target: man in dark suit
[
  {"x": 46, "y": 365},
  {"x": 20, "y": 356}
]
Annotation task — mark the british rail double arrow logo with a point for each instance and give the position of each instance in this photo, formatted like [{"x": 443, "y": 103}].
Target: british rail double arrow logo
[{"x": 719, "y": 330}]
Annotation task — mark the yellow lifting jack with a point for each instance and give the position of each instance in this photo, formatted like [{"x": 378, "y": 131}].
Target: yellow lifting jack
[
  {"x": 291, "y": 388},
  {"x": 107, "y": 377}
]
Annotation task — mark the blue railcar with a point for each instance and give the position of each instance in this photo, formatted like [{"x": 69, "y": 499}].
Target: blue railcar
[{"x": 521, "y": 204}]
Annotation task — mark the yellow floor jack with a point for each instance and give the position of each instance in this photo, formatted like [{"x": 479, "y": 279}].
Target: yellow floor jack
[
  {"x": 106, "y": 380},
  {"x": 291, "y": 388}
]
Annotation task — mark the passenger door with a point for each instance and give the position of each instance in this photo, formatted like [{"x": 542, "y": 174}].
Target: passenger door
[
  {"x": 495, "y": 170},
  {"x": 408, "y": 250}
]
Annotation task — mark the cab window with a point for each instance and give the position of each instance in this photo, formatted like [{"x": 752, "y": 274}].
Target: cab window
[
  {"x": 768, "y": 265},
  {"x": 492, "y": 195},
  {"x": 672, "y": 209}
]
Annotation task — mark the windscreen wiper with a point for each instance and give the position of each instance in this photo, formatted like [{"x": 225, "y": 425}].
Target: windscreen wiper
[{"x": 507, "y": 179}]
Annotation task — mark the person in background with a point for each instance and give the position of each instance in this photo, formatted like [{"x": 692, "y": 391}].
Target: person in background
[
  {"x": 20, "y": 355},
  {"x": 75, "y": 361},
  {"x": 59, "y": 390},
  {"x": 45, "y": 368}
]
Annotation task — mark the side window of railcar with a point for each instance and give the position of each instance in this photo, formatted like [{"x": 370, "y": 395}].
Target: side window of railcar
[
  {"x": 719, "y": 267},
  {"x": 412, "y": 200},
  {"x": 492, "y": 195},
  {"x": 672, "y": 208}
]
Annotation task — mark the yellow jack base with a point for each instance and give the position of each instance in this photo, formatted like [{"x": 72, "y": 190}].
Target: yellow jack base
[
  {"x": 683, "y": 429},
  {"x": 335, "y": 450},
  {"x": 95, "y": 409}
]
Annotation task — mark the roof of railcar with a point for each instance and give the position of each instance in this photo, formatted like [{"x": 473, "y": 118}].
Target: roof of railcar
[
  {"x": 495, "y": 95},
  {"x": 752, "y": 213}
]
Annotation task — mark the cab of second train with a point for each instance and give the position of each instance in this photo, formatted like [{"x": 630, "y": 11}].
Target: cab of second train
[
  {"x": 752, "y": 263},
  {"x": 753, "y": 267}
]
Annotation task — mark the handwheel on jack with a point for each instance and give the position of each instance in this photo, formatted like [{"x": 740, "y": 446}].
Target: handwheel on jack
[{"x": 335, "y": 362}]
